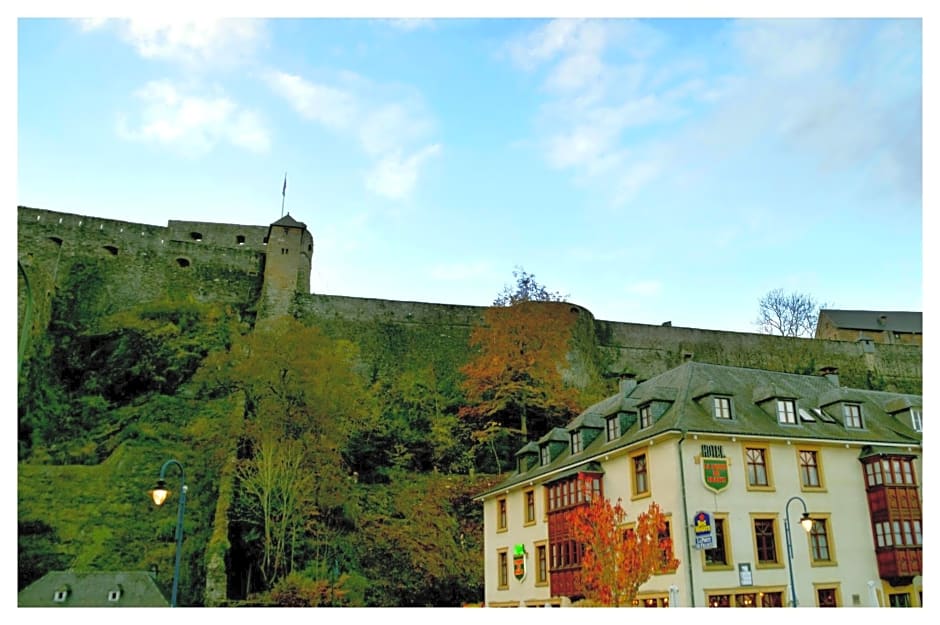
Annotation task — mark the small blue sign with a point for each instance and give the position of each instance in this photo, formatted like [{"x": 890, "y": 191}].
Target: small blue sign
[{"x": 704, "y": 528}]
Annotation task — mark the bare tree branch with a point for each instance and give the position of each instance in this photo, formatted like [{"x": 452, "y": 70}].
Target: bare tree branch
[{"x": 788, "y": 314}]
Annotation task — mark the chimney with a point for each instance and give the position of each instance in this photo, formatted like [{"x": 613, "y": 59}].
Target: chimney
[
  {"x": 627, "y": 383},
  {"x": 831, "y": 374}
]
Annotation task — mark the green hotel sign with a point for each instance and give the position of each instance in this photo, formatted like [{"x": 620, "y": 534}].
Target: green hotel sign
[{"x": 714, "y": 465}]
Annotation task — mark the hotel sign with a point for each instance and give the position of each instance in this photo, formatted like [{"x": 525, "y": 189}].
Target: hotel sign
[
  {"x": 704, "y": 527},
  {"x": 714, "y": 468}
]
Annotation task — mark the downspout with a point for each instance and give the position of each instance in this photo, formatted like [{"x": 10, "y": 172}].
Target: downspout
[{"x": 685, "y": 519}]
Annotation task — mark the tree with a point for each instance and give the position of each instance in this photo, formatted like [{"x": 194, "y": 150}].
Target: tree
[
  {"x": 526, "y": 289},
  {"x": 303, "y": 402},
  {"x": 617, "y": 559},
  {"x": 516, "y": 378},
  {"x": 788, "y": 314}
]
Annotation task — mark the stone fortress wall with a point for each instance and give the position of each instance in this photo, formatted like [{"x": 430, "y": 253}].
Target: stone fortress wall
[{"x": 131, "y": 263}]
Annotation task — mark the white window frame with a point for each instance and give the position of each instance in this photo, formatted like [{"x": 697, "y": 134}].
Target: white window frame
[
  {"x": 917, "y": 421},
  {"x": 721, "y": 406},
  {"x": 852, "y": 416},
  {"x": 784, "y": 416}
]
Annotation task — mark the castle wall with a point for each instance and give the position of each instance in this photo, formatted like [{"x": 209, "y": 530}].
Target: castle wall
[
  {"x": 115, "y": 264},
  {"x": 112, "y": 265}
]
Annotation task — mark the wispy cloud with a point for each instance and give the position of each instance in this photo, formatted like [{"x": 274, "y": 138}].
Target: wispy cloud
[
  {"x": 192, "y": 124},
  {"x": 409, "y": 24},
  {"x": 390, "y": 126},
  {"x": 223, "y": 41},
  {"x": 805, "y": 85}
]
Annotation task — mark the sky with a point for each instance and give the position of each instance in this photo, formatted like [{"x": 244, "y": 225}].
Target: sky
[{"x": 651, "y": 170}]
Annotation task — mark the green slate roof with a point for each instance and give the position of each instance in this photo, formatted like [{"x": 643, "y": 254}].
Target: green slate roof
[
  {"x": 686, "y": 389},
  {"x": 93, "y": 589}
]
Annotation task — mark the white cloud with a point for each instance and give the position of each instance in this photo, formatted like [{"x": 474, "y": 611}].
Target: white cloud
[
  {"x": 199, "y": 41},
  {"x": 192, "y": 124},
  {"x": 395, "y": 175},
  {"x": 335, "y": 108},
  {"x": 389, "y": 125},
  {"x": 827, "y": 92},
  {"x": 411, "y": 23}
]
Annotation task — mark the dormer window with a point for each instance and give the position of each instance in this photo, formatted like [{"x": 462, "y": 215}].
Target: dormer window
[
  {"x": 576, "y": 442},
  {"x": 786, "y": 411},
  {"x": 722, "y": 407},
  {"x": 613, "y": 428},
  {"x": 646, "y": 417},
  {"x": 917, "y": 422},
  {"x": 545, "y": 455},
  {"x": 61, "y": 594},
  {"x": 852, "y": 415},
  {"x": 114, "y": 595}
]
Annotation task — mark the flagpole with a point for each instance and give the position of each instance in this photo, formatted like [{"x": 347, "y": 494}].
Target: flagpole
[{"x": 283, "y": 193}]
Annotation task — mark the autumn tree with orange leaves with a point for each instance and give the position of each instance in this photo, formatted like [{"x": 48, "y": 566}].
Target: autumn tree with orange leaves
[{"x": 619, "y": 559}]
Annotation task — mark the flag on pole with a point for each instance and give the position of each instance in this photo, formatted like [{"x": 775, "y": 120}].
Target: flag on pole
[{"x": 284, "y": 189}]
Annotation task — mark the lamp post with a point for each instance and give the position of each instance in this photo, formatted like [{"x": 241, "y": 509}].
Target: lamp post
[
  {"x": 807, "y": 524},
  {"x": 159, "y": 495}
]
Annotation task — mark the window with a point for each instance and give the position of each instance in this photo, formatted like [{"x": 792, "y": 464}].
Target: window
[
  {"x": 852, "y": 414},
  {"x": 899, "y": 600},
  {"x": 718, "y": 556},
  {"x": 820, "y": 546},
  {"x": 576, "y": 442},
  {"x": 809, "y": 468},
  {"x": 765, "y": 541},
  {"x": 114, "y": 594},
  {"x": 786, "y": 411},
  {"x": 60, "y": 594},
  {"x": 757, "y": 473},
  {"x": 545, "y": 455},
  {"x": 898, "y": 472},
  {"x": 641, "y": 485},
  {"x": 529, "y": 507},
  {"x": 916, "y": 421},
  {"x": 502, "y": 563},
  {"x": 613, "y": 428},
  {"x": 903, "y": 533},
  {"x": 667, "y": 561},
  {"x": 722, "y": 407},
  {"x": 826, "y": 598},
  {"x": 501, "y": 520},
  {"x": 541, "y": 565},
  {"x": 646, "y": 417},
  {"x": 772, "y": 600}
]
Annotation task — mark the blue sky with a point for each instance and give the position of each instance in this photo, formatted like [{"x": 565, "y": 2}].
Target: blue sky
[{"x": 653, "y": 170}]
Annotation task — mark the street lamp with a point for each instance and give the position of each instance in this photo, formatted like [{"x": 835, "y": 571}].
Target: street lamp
[
  {"x": 159, "y": 495},
  {"x": 807, "y": 524}
]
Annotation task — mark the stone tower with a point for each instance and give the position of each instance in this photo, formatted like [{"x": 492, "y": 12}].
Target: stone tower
[{"x": 288, "y": 259}]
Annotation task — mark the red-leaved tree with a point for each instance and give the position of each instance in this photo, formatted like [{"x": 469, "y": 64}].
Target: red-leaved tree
[{"x": 619, "y": 559}]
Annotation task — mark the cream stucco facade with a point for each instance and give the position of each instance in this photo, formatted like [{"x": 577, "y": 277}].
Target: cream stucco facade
[{"x": 828, "y": 477}]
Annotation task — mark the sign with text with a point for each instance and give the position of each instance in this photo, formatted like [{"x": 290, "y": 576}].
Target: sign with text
[
  {"x": 704, "y": 528},
  {"x": 715, "y": 473},
  {"x": 745, "y": 575}
]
